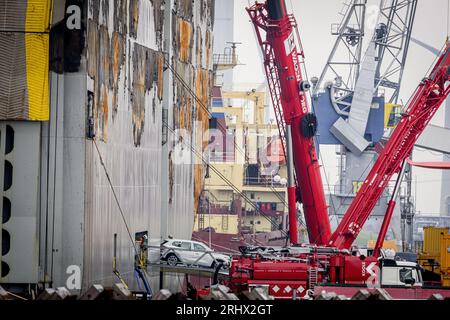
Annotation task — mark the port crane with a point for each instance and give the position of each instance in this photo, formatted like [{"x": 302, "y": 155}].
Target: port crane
[{"x": 328, "y": 257}]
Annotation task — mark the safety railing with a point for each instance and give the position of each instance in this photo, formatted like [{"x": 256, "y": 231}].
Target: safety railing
[
  {"x": 215, "y": 156},
  {"x": 263, "y": 182}
]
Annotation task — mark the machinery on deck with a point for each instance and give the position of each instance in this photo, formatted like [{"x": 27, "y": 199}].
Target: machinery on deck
[{"x": 329, "y": 258}]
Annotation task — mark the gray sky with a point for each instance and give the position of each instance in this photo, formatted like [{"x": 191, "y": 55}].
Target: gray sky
[{"x": 315, "y": 19}]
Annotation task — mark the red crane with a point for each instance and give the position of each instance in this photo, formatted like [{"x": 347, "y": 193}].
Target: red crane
[
  {"x": 297, "y": 126},
  {"x": 428, "y": 97}
]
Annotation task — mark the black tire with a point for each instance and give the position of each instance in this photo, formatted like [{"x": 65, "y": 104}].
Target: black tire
[{"x": 172, "y": 259}]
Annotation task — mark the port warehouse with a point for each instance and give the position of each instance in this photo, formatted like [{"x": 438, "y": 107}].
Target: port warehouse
[{"x": 109, "y": 83}]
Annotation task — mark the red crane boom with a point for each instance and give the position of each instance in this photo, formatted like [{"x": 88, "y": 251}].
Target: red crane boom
[
  {"x": 287, "y": 88},
  {"x": 428, "y": 97}
]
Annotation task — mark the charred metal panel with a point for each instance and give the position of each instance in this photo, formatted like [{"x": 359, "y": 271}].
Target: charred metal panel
[
  {"x": 134, "y": 17},
  {"x": 158, "y": 18},
  {"x": 192, "y": 30},
  {"x": 120, "y": 16},
  {"x": 106, "y": 58},
  {"x": 125, "y": 77},
  {"x": 145, "y": 75},
  {"x": 117, "y": 60},
  {"x": 184, "y": 9}
]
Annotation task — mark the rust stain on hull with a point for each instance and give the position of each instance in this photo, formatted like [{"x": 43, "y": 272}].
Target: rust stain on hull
[
  {"x": 202, "y": 85},
  {"x": 118, "y": 59},
  {"x": 184, "y": 101},
  {"x": 184, "y": 39},
  {"x": 102, "y": 112},
  {"x": 208, "y": 48},
  {"x": 93, "y": 50},
  {"x": 160, "y": 76},
  {"x": 100, "y": 73}
]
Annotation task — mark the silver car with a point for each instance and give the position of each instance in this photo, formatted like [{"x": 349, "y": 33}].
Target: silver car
[{"x": 188, "y": 252}]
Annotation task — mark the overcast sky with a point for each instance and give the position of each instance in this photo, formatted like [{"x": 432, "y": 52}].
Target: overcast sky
[{"x": 315, "y": 19}]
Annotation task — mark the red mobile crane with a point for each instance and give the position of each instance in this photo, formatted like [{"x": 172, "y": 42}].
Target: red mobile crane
[
  {"x": 327, "y": 258},
  {"x": 295, "y": 122}
]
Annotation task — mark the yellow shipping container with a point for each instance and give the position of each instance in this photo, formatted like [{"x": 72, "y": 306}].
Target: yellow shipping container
[
  {"x": 445, "y": 260},
  {"x": 387, "y": 244},
  {"x": 446, "y": 282},
  {"x": 432, "y": 240}
]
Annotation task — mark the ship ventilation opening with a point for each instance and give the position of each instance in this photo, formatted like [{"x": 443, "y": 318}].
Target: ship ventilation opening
[
  {"x": 7, "y": 178},
  {"x": 5, "y": 269},
  {"x": 9, "y": 143},
  {"x": 6, "y": 214},
  {"x": 6, "y": 242}
]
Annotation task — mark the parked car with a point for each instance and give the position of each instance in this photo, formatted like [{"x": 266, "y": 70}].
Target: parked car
[{"x": 176, "y": 251}]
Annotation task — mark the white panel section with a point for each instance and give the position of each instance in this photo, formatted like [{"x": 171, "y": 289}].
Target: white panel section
[
  {"x": 23, "y": 252},
  {"x": 345, "y": 133},
  {"x": 363, "y": 95},
  {"x": 146, "y": 25}
]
